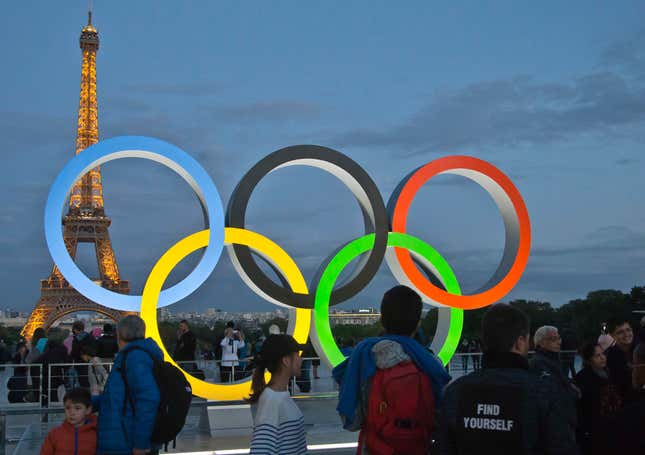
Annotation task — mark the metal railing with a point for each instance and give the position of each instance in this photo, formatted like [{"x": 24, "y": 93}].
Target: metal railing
[{"x": 46, "y": 384}]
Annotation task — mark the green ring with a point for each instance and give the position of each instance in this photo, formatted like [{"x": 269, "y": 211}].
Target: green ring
[{"x": 321, "y": 327}]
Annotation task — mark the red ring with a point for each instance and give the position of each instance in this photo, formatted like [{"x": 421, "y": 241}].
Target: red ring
[{"x": 399, "y": 221}]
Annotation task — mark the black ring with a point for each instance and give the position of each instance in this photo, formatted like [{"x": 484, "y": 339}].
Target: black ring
[{"x": 342, "y": 167}]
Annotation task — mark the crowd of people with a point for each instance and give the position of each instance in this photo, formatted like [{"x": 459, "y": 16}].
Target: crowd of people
[
  {"x": 135, "y": 401},
  {"x": 76, "y": 361},
  {"x": 392, "y": 389},
  {"x": 401, "y": 399}
]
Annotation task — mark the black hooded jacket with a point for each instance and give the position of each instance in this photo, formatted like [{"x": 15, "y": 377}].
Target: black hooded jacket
[{"x": 503, "y": 408}]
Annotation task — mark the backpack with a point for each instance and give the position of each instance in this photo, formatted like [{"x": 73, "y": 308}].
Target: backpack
[
  {"x": 400, "y": 412},
  {"x": 18, "y": 388},
  {"x": 175, "y": 396}
]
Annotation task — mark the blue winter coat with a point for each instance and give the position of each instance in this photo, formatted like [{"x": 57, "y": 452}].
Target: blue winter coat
[{"x": 118, "y": 433}]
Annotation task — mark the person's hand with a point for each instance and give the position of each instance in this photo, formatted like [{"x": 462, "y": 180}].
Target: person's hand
[
  {"x": 140, "y": 451},
  {"x": 228, "y": 333}
]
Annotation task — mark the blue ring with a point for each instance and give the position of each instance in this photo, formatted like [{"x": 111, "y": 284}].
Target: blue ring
[{"x": 134, "y": 147}]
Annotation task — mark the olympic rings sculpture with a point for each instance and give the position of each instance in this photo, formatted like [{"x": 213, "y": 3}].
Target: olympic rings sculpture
[{"x": 412, "y": 261}]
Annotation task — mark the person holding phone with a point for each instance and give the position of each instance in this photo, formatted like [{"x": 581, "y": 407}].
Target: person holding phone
[{"x": 231, "y": 343}]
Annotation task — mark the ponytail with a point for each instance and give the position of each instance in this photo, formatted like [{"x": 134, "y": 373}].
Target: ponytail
[
  {"x": 258, "y": 383},
  {"x": 273, "y": 350}
]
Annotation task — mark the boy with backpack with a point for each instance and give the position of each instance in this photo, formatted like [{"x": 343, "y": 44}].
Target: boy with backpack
[
  {"x": 390, "y": 385},
  {"x": 77, "y": 434},
  {"x": 145, "y": 400}
]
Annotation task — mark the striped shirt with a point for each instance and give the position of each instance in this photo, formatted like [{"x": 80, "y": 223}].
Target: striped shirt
[{"x": 278, "y": 425}]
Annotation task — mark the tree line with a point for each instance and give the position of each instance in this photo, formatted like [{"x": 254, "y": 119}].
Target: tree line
[{"x": 578, "y": 320}]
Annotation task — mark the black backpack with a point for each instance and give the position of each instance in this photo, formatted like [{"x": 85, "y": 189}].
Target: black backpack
[{"x": 175, "y": 396}]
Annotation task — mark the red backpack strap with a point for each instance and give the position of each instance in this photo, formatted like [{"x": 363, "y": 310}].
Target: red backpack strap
[{"x": 427, "y": 404}]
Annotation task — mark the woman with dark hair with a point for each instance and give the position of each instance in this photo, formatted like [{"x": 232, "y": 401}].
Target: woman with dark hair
[
  {"x": 600, "y": 401},
  {"x": 38, "y": 344},
  {"x": 55, "y": 354},
  {"x": 278, "y": 424}
]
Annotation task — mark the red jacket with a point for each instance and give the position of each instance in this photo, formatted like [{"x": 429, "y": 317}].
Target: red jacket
[{"x": 67, "y": 440}]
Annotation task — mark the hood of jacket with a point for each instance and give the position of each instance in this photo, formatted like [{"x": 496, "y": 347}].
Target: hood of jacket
[{"x": 388, "y": 353}]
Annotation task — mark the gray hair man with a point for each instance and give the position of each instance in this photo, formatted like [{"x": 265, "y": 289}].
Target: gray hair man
[
  {"x": 546, "y": 362},
  {"x": 128, "y": 406},
  {"x": 548, "y": 338}
]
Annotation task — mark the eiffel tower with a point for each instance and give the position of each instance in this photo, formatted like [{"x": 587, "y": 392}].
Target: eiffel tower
[{"x": 85, "y": 220}]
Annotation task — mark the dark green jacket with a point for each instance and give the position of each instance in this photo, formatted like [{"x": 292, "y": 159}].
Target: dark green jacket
[{"x": 548, "y": 366}]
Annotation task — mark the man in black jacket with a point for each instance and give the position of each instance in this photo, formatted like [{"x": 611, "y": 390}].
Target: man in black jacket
[
  {"x": 186, "y": 345},
  {"x": 504, "y": 407},
  {"x": 547, "y": 364},
  {"x": 81, "y": 338}
]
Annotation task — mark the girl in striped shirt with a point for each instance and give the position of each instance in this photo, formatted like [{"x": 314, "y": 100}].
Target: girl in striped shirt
[{"x": 278, "y": 424}]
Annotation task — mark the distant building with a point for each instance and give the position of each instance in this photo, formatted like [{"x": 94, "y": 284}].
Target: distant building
[
  {"x": 13, "y": 321},
  {"x": 357, "y": 317},
  {"x": 164, "y": 314},
  {"x": 211, "y": 312}
]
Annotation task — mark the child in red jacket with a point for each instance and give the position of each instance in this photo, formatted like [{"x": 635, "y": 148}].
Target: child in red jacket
[{"x": 77, "y": 435}]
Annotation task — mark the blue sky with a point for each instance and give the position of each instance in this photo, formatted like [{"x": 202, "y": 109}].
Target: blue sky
[{"x": 551, "y": 93}]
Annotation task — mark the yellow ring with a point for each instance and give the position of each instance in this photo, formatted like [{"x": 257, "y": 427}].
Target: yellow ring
[{"x": 172, "y": 257}]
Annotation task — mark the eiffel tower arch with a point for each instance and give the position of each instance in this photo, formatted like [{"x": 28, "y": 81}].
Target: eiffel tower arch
[{"x": 85, "y": 220}]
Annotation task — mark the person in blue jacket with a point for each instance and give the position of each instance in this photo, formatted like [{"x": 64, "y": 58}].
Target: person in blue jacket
[{"x": 129, "y": 432}]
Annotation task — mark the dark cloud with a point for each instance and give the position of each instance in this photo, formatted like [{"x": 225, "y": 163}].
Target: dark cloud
[
  {"x": 627, "y": 56},
  {"x": 608, "y": 257},
  {"x": 604, "y": 244},
  {"x": 626, "y": 161},
  {"x": 522, "y": 110}
]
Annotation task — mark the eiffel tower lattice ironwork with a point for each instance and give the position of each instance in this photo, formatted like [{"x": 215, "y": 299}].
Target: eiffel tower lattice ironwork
[{"x": 85, "y": 220}]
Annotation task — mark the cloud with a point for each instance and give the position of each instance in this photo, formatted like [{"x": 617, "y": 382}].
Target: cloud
[
  {"x": 603, "y": 243},
  {"x": 521, "y": 110},
  {"x": 627, "y": 56},
  {"x": 626, "y": 161}
]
